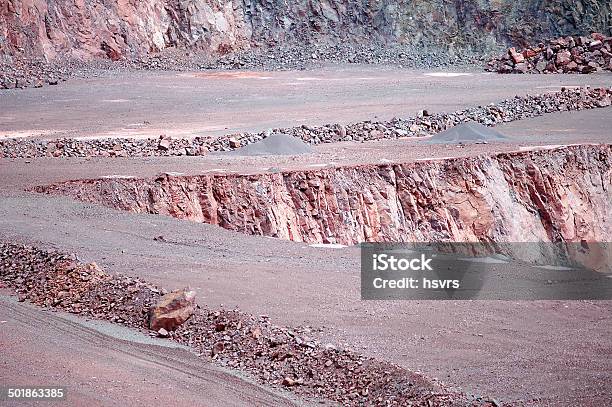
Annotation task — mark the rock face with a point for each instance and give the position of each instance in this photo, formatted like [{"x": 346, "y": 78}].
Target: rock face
[
  {"x": 583, "y": 54},
  {"x": 563, "y": 194},
  {"x": 172, "y": 310},
  {"x": 118, "y": 29}
]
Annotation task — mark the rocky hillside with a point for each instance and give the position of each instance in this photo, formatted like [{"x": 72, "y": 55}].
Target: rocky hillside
[{"x": 128, "y": 29}]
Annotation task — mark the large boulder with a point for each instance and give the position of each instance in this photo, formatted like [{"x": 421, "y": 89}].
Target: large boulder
[
  {"x": 517, "y": 57},
  {"x": 172, "y": 310},
  {"x": 563, "y": 58}
]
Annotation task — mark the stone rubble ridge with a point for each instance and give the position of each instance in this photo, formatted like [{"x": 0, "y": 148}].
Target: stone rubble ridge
[
  {"x": 424, "y": 124},
  {"x": 285, "y": 357},
  {"x": 579, "y": 54}
]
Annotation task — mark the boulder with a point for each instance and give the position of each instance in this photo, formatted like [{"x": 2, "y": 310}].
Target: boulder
[
  {"x": 563, "y": 58},
  {"x": 172, "y": 310},
  {"x": 587, "y": 69},
  {"x": 529, "y": 53},
  {"x": 164, "y": 143},
  {"x": 234, "y": 142},
  {"x": 605, "y": 102},
  {"x": 517, "y": 57},
  {"x": 594, "y": 45},
  {"x": 541, "y": 66},
  {"x": 521, "y": 68},
  {"x": 572, "y": 66}
]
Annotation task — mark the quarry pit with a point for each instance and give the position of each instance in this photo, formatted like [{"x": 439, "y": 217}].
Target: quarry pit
[
  {"x": 192, "y": 194},
  {"x": 277, "y": 236}
]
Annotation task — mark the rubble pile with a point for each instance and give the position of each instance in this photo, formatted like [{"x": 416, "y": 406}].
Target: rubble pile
[
  {"x": 424, "y": 124},
  {"x": 301, "y": 55},
  {"x": 278, "y": 356},
  {"x": 52, "y": 279},
  {"x": 23, "y": 72},
  {"x": 580, "y": 54},
  {"x": 20, "y": 74}
]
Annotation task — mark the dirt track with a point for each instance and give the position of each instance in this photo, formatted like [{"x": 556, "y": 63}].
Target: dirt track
[
  {"x": 538, "y": 353},
  {"x": 209, "y": 104},
  {"x": 113, "y": 364}
]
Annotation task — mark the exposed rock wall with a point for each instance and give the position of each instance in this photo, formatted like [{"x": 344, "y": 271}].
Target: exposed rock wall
[
  {"x": 129, "y": 28},
  {"x": 558, "y": 195},
  {"x": 81, "y": 29}
]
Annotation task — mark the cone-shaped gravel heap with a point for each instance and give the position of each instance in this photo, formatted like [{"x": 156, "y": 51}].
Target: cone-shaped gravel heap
[
  {"x": 275, "y": 144},
  {"x": 465, "y": 133}
]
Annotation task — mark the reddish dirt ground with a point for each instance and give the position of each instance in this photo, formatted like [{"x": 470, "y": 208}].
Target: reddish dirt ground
[{"x": 113, "y": 366}]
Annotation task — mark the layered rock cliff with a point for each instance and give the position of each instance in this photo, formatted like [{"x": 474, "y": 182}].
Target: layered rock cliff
[
  {"x": 563, "y": 194},
  {"x": 130, "y": 28}
]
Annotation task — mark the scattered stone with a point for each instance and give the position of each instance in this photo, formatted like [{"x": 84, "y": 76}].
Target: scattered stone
[
  {"x": 289, "y": 382},
  {"x": 217, "y": 348},
  {"x": 162, "y": 333},
  {"x": 256, "y": 333}
]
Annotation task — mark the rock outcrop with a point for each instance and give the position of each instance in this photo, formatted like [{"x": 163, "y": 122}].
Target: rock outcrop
[
  {"x": 581, "y": 54},
  {"x": 118, "y": 29},
  {"x": 564, "y": 194}
]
